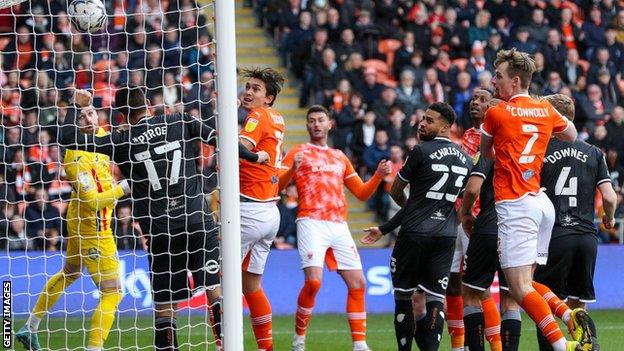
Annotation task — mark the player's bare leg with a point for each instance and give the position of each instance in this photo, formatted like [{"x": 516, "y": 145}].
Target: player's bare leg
[
  {"x": 214, "y": 314},
  {"x": 259, "y": 310},
  {"x": 305, "y": 305},
  {"x": 165, "y": 336},
  {"x": 455, "y": 312},
  {"x": 520, "y": 281},
  {"x": 356, "y": 307}
]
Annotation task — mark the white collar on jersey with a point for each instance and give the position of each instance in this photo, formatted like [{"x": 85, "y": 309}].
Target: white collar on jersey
[
  {"x": 318, "y": 147},
  {"x": 442, "y": 138},
  {"x": 519, "y": 95}
]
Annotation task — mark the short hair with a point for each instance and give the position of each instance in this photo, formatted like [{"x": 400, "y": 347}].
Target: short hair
[
  {"x": 562, "y": 103},
  {"x": 272, "y": 79},
  {"x": 445, "y": 110},
  {"x": 317, "y": 108},
  {"x": 130, "y": 101},
  {"x": 520, "y": 64}
]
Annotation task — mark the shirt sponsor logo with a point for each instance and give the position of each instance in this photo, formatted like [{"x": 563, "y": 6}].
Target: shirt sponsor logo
[
  {"x": 438, "y": 215},
  {"x": 251, "y": 125}
]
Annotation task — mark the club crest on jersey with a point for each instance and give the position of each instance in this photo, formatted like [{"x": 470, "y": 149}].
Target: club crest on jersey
[
  {"x": 251, "y": 125},
  {"x": 528, "y": 174},
  {"x": 93, "y": 253},
  {"x": 476, "y": 157}
]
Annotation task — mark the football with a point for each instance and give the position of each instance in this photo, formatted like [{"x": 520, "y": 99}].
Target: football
[{"x": 87, "y": 16}]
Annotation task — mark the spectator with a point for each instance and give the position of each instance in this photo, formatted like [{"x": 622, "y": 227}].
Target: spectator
[
  {"x": 16, "y": 235},
  {"x": 409, "y": 96},
  {"x": 481, "y": 29},
  {"x": 616, "y": 49},
  {"x": 403, "y": 56},
  {"x": 477, "y": 62},
  {"x": 524, "y": 42},
  {"x": 494, "y": 44},
  {"x": 171, "y": 47},
  {"x": 380, "y": 150},
  {"x": 571, "y": 69},
  {"x": 422, "y": 31},
  {"x": 386, "y": 13},
  {"x": 326, "y": 78},
  {"x": 594, "y": 30},
  {"x": 539, "y": 78},
  {"x": 347, "y": 46},
  {"x": 600, "y": 137},
  {"x": 538, "y": 29},
  {"x": 12, "y": 138},
  {"x": 554, "y": 51},
  {"x": 572, "y": 32},
  {"x": 288, "y": 206},
  {"x": 383, "y": 106},
  {"x": 43, "y": 222},
  {"x": 485, "y": 80},
  {"x": 305, "y": 59},
  {"x": 334, "y": 26},
  {"x": 416, "y": 67},
  {"x": 594, "y": 107},
  {"x": 615, "y": 129},
  {"x": 602, "y": 62},
  {"x": 341, "y": 96},
  {"x": 354, "y": 71},
  {"x": 299, "y": 35},
  {"x": 433, "y": 91},
  {"x": 367, "y": 33},
  {"x": 18, "y": 174},
  {"x": 460, "y": 99},
  {"x": 346, "y": 119},
  {"x": 371, "y": 91},
  {"x": 363, "y": 135},
  {"x": 608, "y": 88},
  {"x": 455, "y": 35},
  {"x": 397, "y": 156},
  {"x": 127, "y": 234},
  {"x": 554, "y": 84},
  {"x": 398, "y": 130}
]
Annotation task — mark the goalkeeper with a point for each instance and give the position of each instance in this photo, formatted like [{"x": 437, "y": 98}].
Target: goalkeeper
[{"x": 91, "y": 244}]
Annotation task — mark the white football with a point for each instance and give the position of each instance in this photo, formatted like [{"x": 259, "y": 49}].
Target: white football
[{"x": 87, "y": 15}]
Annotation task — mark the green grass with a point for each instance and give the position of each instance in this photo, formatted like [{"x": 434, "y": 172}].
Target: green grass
[{"x": 326, "y": 332}]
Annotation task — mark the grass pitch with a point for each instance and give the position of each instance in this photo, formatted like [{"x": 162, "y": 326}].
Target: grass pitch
[{"x": 326, "y": 332}]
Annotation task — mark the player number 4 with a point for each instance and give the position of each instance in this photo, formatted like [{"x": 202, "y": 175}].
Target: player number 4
[
  {"x": 434, "y": 191},
  {"x": 146, "y": 158},
  {"x": 570, "y": 190}
]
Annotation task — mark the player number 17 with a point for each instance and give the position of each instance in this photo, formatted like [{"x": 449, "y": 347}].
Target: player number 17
[{"x": 152, "y": 175}]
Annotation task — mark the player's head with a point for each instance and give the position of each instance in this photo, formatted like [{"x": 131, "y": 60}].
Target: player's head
[
  {"x": 478, "y": 105},
  {"x": 318, "y": 123},
  {"x": 131, "y": 103},
  {"x": 262, "y": 87},
  {"x": 562, "y": 103},
  {"x": 437, "y": 121},
  {"x": 514, "y": 70}
]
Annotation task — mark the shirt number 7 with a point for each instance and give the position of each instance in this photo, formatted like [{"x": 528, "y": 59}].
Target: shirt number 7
[{"x": 526, "y": 158}]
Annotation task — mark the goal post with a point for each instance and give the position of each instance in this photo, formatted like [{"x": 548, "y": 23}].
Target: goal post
[{"x": 228, "y": 175}]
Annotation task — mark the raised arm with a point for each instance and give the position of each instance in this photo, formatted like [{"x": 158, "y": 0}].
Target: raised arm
[
  {"x": 568, "y": 134},
  {"x": 84, "y": 184},
  {"x": 363, "y": 191}
]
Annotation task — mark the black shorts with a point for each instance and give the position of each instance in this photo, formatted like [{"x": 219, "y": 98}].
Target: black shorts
[
  {"x": 173, "y": 255},
  {"x": 569, "y": 272},
  {"x": 481, "y": 263},
  {"x": 422, "y": 263}
]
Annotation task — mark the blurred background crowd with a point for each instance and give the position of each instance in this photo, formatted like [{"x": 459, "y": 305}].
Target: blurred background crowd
[{"x": 375, "y": 64}]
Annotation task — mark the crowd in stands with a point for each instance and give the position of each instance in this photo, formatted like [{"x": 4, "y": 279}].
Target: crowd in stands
[
  {"x": 164, "y": 46},
  {"x": 377, "y": 65}
]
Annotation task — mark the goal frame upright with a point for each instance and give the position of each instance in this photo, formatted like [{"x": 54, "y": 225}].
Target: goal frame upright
[{"x": 227, "y": 111}]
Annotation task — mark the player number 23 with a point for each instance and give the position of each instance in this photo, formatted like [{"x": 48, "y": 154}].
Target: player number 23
[
  {"x": 434, "y": 191},
  {"x": 152, "y": 175}
]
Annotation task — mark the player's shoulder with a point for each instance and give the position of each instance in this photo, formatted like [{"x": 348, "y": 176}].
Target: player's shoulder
[{"x": 497, "y": 109}]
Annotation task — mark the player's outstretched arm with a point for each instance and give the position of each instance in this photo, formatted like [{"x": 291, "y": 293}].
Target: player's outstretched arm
[
  {"x": 609, "y": 202},
  {"x": 397, "y": 193},
  {"x": 373, "y": 234},
  {"x": 363, "y": 191},
  {"x": 473, "y": 187}
]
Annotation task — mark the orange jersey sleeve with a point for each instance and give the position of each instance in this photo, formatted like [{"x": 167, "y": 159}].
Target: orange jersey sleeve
[{"x": 264, "y": 128}]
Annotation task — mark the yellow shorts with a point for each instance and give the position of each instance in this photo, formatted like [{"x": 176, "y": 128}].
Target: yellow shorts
[{"x": 98, "y": 254}]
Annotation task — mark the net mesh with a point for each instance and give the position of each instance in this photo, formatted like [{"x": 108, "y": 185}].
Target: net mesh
[{"x": 164, "y": 46}]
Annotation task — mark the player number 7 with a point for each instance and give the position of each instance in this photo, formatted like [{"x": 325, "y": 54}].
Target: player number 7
[
  {"x": 526, "y": 158},
  {"x": 152, "y": 175}
]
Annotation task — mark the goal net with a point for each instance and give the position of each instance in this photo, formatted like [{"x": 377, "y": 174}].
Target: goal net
[{"x": 168, "y": 48}]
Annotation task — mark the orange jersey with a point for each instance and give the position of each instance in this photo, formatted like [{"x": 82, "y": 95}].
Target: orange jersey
[
  {"x": 264, "y": 128},
  {"x": 521, "y": 129},
  {"x": 320, "y": 181}
]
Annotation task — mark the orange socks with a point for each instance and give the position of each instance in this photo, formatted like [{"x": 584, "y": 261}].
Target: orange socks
[
  {"x": 558, "y": 307},
  {"x": 538, "y": 310},
  {"x": 356, "y": 312},
  {"x": 305, "y": 304},
  {"x": 261, "y": 318},
  {"x": 492, "y": 324},
  {"x": 455, "y": 320}
]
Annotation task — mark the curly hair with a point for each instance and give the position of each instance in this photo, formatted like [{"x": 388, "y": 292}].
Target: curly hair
[
  {"x": 273, "y": 80},
  {"x": 520, "y": 64},
  {"x": 562, "y": 103}
]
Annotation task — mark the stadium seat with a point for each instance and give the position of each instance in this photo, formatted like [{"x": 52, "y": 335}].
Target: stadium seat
[{"x": 384, "y": 73}]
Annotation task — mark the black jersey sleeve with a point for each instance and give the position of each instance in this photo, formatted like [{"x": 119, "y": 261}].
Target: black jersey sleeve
[
  {"x": 393, "y": 223},
  {"x": 412, "y": 164},
  {"x": 603, "y": 170},
  {"x": 87, "y": 142},
  {"x": 208, "y": 135},
  {"x": 482, "y": 168}
]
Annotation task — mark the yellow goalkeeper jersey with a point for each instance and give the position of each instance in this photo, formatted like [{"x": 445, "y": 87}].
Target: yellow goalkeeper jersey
[{"x": 93, "y": 193}]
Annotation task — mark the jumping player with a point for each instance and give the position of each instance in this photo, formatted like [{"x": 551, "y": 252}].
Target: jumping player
[
  {"x": 320, "y": 173},
  {"x": 515, "y": 134},
  {"x": 263, "y": 130}
]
